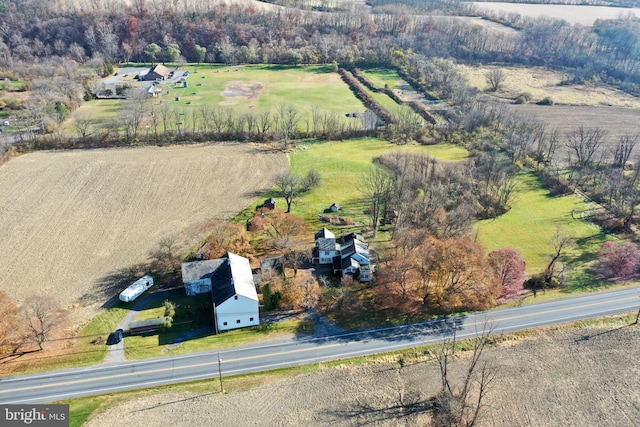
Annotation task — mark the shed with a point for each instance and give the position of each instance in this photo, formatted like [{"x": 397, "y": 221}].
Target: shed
[
  {"x": 269, "y": 204},
  {"x": 334, "y": 207}
]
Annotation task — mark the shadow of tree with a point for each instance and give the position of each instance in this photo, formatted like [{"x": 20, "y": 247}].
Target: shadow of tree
[
  {"x": 108, "y": 288},
  {"x": 373, "y": 415}
]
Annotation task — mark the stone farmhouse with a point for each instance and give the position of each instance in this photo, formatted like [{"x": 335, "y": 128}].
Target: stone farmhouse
[
  {"x": 230, "y": 281},
  {"x": 346, "y": 255}
]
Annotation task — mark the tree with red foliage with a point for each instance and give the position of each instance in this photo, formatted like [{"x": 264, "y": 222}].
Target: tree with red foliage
[
  {"x": 618, "y": 260},
  {"x": 227, "y": 237},
  {"x": 509, "y": 267}
]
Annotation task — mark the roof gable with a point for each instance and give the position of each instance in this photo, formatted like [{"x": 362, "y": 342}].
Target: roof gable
[
  {"x": 161, "y": 70},
  {"x": 324, "y": 234},
  {"x": 233, "y": 277}
]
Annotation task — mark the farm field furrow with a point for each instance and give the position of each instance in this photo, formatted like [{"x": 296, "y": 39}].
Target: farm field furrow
[
  {"x": 72, "y": 220},
  {"x": 566, "y": 118}
]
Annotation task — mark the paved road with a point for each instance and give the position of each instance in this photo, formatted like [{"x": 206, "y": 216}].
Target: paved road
[{"x": 131, "y": 375}]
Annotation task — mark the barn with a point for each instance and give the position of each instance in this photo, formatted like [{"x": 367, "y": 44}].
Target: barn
[
  {"x": 230, "y": 281},
  {"x": 157, "y": 72}
]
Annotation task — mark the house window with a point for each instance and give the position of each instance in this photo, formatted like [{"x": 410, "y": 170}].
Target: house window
[
  {"x": 224, "y": 324},
  {"x": 235, "y": 297},
  {"x": 250, "y": 319},
  {"x": 238, "y": 321}
]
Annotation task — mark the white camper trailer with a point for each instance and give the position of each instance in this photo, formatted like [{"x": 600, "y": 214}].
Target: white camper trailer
[{"x": 136, "y": 289}]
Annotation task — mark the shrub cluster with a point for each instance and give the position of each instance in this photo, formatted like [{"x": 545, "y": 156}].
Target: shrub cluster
[
  {"x": 337, "y": 220},
  {"x": 421, "y": 110}
]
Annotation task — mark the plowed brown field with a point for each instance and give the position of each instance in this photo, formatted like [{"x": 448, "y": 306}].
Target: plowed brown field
[
  {"x": 74, "y": 222},
  {"x": 568, "y": 118}
]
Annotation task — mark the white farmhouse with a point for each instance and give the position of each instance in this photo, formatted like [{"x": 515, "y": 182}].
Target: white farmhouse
[
  {"x": 326, "y": 247},
  {"x": 348, "y": 254},
  {"x": 233, "y": 291}
]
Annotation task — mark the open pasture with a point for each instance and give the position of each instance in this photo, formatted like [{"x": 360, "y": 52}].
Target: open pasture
[
  {"x": 530, "y": 226},
  {"x": 72, "y": 222},
  {"x": 340, "y": 163},
  {"x": 541, "y": 82},
  {"x": 246, "y": 89}
]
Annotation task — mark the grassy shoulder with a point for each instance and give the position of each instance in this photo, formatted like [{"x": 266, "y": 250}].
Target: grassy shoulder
[
  {"x": 181, "y": 341},
  {"x": 87, "y": 348}
]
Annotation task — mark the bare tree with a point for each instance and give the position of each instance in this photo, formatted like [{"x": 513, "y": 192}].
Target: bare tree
[
  {"x": 135, "y": 112},
  {"x": 289, "y": 184},
  {"x": 287, "y": 119},
  {"x": 83, "y": 124},
  {"x": 495, "y": 79},
  {"x": 461, "y": 403},
  {"x": 166, "y": 253},
  {"x": 41, "y": 317},
  {"x": 623, "y": 149},
  {"x": 560, "y": 241},
  {"x": 376, "y": 186},
  {"x": 584, "y": 143}
]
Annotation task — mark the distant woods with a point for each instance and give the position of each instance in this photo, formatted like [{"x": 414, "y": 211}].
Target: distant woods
[{"x": 88, "y": 31}]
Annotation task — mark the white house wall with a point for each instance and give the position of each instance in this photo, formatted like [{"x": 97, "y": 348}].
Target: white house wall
[{"x": 237, "y": 313}]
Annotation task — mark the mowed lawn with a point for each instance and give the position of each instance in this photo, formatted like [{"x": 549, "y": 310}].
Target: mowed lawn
[
  {"x": 341, "y": 164},
  {"x": 247, "y": 89},
  {"x": 383, "y": 76},
  {"x": 532, "y": 223}
]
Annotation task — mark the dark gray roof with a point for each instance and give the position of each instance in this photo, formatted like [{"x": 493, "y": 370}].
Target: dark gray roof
[
  {"x": 200, "y": 269},
  {"x": 233, "y": 277}
]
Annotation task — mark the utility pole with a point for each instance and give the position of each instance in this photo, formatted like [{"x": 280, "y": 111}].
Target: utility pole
[
  {"x": 637, "y": 318},
  {"x": 220, "y": 373}
]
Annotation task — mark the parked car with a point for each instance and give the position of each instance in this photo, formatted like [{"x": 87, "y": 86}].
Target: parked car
[{"x": 118, "y": 336}]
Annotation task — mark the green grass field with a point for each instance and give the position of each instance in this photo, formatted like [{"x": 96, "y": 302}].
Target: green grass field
[
  {"x": 533, "y": 221},
  {"x": 383, "y": 76},
  {"x": 339, "y": 164},
  {"x": 259, "y": 88}
]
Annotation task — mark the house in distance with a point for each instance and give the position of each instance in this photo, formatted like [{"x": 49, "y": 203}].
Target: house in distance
[
  {"x": 157, "y": 72},
  {"x": 230, "y": 281}
]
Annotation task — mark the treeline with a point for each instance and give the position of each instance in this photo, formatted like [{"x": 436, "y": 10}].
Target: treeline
[
  {"x": 143, "y": 122},
  {"x": 361, "y": 93}
]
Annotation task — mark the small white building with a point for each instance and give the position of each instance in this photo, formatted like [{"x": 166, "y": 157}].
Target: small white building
[{"x": 234, "y": 295}]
